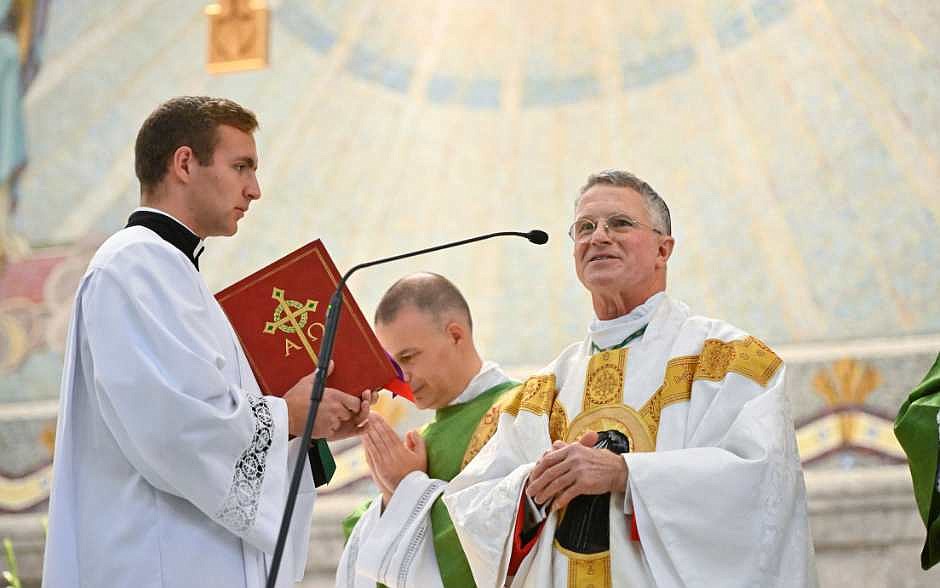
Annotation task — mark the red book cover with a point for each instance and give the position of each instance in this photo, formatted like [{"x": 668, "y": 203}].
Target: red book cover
[{"x": 279, "y": 312}]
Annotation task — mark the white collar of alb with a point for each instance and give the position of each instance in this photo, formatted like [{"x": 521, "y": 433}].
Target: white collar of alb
[
  {"x": 489, "y": 375},
  {"x": 607, "y": 333}
]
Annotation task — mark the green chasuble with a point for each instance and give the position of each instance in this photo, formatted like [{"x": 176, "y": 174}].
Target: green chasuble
[
  {"x": 919, "y": 434},
  {"x": 447, "y": 438}
]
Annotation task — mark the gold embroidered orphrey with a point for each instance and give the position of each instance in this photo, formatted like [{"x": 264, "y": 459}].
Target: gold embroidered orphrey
[
  {"x": 587, "y": 570},
  {"x": 748, "y": 357},
  {"x": 602, "y": 402},
  {"x": 536, "y": 395},
  {"x": 486, "y": 428},
  {"x": 290, "y": 317},
  {"x": 238, "y": 35},
  {"x": 602, "y": 407}
]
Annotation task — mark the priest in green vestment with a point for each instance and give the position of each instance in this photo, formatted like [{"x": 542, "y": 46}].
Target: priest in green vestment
[
  {"x": 405, "y": 537},
  {"x": 917, "y": 428}
]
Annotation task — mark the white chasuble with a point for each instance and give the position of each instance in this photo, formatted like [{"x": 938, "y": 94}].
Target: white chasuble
[
  {"x": 715, "y": 486},
  {"x": 170, "y": 468}
]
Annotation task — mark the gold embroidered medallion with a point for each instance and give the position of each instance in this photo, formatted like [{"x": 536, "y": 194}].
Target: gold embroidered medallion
[
  {"x": 602, "y": 403},
  {"x": 603, "y": 383},
  {"x": 618, "y": 417}
]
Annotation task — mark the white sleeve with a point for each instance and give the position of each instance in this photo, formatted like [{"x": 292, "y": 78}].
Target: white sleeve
[
  {"x": 732, "y": 503},
  {"x": 163, "y": 396},
  {"x": 395, "y": 547}
]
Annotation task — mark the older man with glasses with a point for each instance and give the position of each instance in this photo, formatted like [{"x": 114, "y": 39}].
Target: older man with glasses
[{"x": 658, "y": 451}]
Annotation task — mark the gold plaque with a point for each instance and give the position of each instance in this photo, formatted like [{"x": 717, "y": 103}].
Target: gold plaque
[{"x": 238, "y": 35}]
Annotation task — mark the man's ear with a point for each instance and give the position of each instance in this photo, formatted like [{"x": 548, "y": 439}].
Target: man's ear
[
  {"x": 455, "y": 332},
  {"x": 665, "y": 250},
  {"x": 182, "y": 162}
]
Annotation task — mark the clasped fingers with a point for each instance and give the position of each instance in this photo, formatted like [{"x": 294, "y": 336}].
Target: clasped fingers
[{"x": 565, "y": 473}]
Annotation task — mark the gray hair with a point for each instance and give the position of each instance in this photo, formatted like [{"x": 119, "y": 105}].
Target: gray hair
[
  {"x": 655, "y": 205},
  {"x": 428, "y": 292}
]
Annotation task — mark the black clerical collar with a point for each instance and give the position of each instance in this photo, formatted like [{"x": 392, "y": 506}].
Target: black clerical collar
[{"x": 170, "y": 230}]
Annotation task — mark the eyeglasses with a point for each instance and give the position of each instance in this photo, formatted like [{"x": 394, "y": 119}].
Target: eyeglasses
[{"x": 620, "y": 224}]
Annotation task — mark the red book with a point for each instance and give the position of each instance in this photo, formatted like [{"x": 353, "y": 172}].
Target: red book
[{"x": 279, "y": 312}]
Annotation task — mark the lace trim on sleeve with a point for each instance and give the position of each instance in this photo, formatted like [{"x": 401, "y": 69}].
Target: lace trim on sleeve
[{"x": 240, "y": 508}]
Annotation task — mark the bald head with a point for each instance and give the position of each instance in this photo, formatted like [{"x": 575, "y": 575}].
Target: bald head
[
  {"x": 424, "y": 323},
  {"x": 428, "y": 292}
]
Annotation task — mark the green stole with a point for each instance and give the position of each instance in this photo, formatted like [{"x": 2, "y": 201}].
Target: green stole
[
  {"x": 917, "y": 430},
  {"x": 447, "y": 438}
]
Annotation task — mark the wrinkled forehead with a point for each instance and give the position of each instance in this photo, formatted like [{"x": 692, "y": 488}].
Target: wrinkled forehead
[{"x": 603, "y": 200}]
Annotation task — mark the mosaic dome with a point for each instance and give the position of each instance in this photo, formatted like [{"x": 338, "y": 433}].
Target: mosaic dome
[{"x": 796, "y": 143}]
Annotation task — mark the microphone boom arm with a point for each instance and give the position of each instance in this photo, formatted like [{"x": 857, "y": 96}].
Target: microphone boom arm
[{"x": 534, "y": 236}]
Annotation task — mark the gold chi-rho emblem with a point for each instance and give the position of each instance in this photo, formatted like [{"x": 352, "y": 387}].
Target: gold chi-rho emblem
[{"x": 291, "y": 318}]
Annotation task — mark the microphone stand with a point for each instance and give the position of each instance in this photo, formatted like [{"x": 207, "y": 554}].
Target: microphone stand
[{"x": 319, "y": 380}]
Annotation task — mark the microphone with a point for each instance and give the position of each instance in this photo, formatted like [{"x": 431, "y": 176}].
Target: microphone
[
  {"x": 326, "y": 351},
  {"x": 538, "y": 237}
]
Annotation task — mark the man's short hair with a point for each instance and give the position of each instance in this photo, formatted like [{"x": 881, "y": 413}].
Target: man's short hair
[
  {"x": 655, "y": 205},
  {"x": 428, "y": 292},
  {"x": 186, "y": 120}
]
